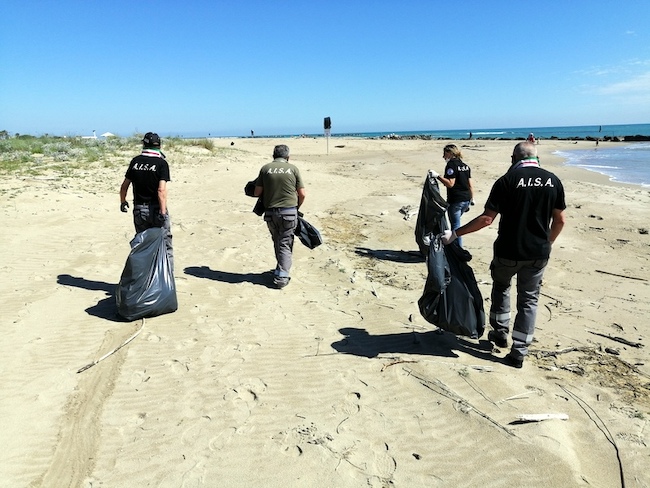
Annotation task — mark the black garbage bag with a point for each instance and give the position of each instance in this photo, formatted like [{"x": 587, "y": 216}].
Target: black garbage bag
[
  {"x": 451, "y": 299},
  {"x": 307, "y": 233},
  {"x": 249, "y": 191},
  {"x": 147, "y": 287},
  {"x": 431, "y": 215}
]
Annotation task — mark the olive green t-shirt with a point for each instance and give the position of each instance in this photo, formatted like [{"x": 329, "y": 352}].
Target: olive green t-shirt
[{"x": 280, "y": 180}]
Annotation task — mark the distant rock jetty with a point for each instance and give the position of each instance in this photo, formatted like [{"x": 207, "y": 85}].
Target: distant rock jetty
[{"x": 427, "y": 137}]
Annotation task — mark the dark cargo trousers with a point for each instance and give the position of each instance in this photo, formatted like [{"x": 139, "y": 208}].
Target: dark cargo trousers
[
  {"x": 145, "y": 216},
  {"x": 529, "y": 278},
  {"x": 282, "y": 224}
]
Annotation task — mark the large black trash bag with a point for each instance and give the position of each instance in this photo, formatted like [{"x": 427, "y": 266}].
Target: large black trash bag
[
  {"x": 451, "y": 299},
  {"x": 307, "y": 233},
  {"x": 431, "y": 215},
  {"x": 249, "y": 190},
  {"x": 147, "y": 287}
]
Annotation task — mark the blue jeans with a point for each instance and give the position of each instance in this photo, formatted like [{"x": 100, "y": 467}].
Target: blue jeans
[
  {"x": 454, "y": 211},
  {"x": 529, "y": 278}
]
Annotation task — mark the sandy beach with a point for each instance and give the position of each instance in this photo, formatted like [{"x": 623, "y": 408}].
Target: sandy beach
[{"x": 336, "y": 380}]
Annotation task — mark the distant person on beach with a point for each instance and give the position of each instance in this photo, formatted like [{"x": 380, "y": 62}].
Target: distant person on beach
[
  {"x": 282, "y": 190},
  {"x": 252, "y": 133},
  {"x": 149, "y": 173},
  {"x": 458, "y": 180},
  {"x": 531, "y": 138},
  {"x": 531, "y": 203}
]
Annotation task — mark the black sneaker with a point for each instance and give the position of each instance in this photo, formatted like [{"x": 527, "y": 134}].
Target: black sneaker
[
  {"x": 281, "y": 282},
  {"x": 497, "y": 339},
  {"x": 510, "y": 360}
]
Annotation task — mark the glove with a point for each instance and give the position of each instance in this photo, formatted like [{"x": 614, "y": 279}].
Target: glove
[
  {"x": 159, "y": 220},
  {"x": 433, "y": 174},
  {"x": 124, "y": 206},
  {"x": 448, "y": 237}
]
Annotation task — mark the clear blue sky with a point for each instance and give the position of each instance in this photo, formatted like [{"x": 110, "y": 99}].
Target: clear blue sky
[{"x": 278, "y": 67}]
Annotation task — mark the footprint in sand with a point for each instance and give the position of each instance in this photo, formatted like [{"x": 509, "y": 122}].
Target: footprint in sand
[
  {"x": 198, "y": 433},
  {"x": 187, "y": 343},
  {"x": 244, "y": 397},
  {"x": 349, "y": 405},
  {"x": 292, "y": 440},
  {"x": 153, "y": 338},
  {"x": 218, "y": 442},
  {"x": 139, "y": 377},
  {"x": 138, "y": 419},
  {"x": 383, "y": 466},
  {"x": 177, "y": 367}
]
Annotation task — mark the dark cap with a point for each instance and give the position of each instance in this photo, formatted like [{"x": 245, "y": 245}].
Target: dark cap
[{"x": 151, "y": 139}]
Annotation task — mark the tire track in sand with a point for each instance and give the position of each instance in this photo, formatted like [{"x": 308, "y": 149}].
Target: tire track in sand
[{"x": 78, "y": 438}]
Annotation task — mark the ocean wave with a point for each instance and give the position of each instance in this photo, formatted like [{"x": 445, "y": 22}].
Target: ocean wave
[{"x": 596, "y": 166}]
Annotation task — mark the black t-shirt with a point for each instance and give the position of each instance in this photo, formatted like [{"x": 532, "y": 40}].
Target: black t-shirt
[
  {"x": 145, "y": 172},
  {"x": 525, "y": 197},
  {"x": 461, "y": 172}
]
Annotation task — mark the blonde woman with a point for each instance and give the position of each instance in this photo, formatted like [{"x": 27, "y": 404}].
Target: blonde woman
[{"x": 458, "y": 180}]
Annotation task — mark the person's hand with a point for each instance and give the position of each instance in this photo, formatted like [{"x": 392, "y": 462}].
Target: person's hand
[
  {"x": 433, "y": 174},
  {"x": 448, "y": 237},
  {"x": 159, "y": 220},
  {"x": 124, "y": 206}
]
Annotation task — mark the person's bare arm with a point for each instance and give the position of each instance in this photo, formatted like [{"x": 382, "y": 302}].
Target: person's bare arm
[
  {"x": 162, "y": 196},
  {"x": 558, "y": 220},
  {"x": 477, "y": 223},
  {"x": 124, "y": 189},
  {"x": 301, "y": 196},
  {"x": 448, "y": 182}
]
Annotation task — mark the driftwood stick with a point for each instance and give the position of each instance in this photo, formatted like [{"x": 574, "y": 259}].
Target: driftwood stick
[
  {"x": 393, "y": 363},
  {"x": 617, "y": 339},
  {"x": 538, "y": 417},
  {"x": 550, "y": 313},
  {"x": 90, "y": 365},
  {"x": 552, "y": 298},
  {"x": 546, "y": 353},
  {"x": 620, "y": 275},
  {"x": 515, "y": 397},
  {"x": 442, "y": 389},
  {"x": 600, "y": 424}
]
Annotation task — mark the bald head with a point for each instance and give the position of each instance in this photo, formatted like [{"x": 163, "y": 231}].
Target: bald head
[{"x": 524, "y": 150}]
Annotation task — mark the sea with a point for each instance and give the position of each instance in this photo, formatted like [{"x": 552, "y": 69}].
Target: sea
[{"x": 623, "y": 162}]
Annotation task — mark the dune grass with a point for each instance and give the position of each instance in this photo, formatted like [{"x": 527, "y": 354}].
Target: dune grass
[{"x": 31, "y": 155}]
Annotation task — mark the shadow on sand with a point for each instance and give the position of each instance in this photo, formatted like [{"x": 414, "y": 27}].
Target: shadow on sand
[
  {"x": 106, "y": 308},
  {"x": 391, "y": 255},
  {"x": 431, "y": 343},
  {"x": 262, "y": 279}
]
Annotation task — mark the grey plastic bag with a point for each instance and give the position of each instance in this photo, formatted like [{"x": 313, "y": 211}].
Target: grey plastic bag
[{"x": 147, "y": 287}]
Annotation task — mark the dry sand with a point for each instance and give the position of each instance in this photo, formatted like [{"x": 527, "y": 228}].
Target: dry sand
[{"x": 336, "y": 380}]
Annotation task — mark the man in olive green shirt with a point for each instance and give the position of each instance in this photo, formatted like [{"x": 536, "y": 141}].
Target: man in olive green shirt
[{"x": 282, "y": 190}]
